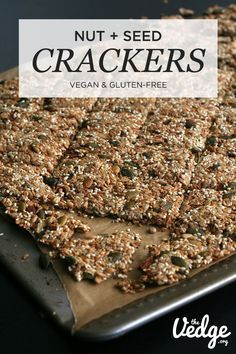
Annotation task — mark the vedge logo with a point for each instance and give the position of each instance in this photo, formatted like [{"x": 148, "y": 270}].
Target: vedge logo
[
  {"x": 118, "y": 58},
  {"x": 195, "y": 329}
]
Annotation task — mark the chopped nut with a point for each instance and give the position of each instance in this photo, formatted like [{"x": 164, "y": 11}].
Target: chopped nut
[
  {"x": 116, "y": 169},
  {"x": 186, "y": 12},
  {"x": 152, "y": 230},
  {"x": 87, "y": 182}
]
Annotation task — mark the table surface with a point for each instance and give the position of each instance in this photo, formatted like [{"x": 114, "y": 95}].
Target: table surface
[
  {"x": 25, "y": 329},
  {"x": 23, "y": 326}
]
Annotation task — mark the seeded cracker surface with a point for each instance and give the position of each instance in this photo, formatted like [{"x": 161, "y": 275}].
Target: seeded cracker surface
[{"x": 166, "y": 163}]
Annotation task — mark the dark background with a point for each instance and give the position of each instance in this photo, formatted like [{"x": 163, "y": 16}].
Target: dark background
[
  {"x": 23, "y": 326},
  {"x": 12, "y": 10}
]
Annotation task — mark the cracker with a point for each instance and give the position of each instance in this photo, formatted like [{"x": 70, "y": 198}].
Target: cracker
[
  {"x": 214, "y": 171},
  {"x": 102, "y": 256}
]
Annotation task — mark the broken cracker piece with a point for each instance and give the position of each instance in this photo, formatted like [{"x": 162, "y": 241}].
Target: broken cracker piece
[{"x": 101, "y": 257}]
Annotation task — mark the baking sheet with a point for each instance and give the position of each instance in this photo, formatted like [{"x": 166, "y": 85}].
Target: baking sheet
[
  {"x": 49, "y": 292},
  {"x": 20, "y": 254},
  {"x": 90, "y": 302}
]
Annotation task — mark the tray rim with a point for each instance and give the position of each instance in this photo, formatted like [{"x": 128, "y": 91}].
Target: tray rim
[{"x": 142, "y": 311}]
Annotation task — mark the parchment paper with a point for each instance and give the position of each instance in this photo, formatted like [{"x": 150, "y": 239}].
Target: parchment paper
[{"x": 90, "y": 301}]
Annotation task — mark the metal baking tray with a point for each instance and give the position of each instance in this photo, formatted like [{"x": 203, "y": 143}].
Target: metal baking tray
[{"x": 47, "y": 289}]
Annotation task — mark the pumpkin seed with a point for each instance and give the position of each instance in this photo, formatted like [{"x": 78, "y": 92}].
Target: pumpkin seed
[
  {"x": 129, "y": 204},
  {"x": 147, "y": 154},
  {"x": 70, "y": 260},
  {"x": 157, "y": 209},
  {"x": 70, "y": 175},
  {"x": 49, "y": 108},
  {"x": 62, "y": 220},
  {"x": 69, "y": 163},
  {"x": 47, "y": 100},
  {"x": 84, "y": 124},
  {"x": 178, "y": 261},
  {"x": 167, "y": 206},
  {"x": 93, "y": 145},
  {"x": 191, "y": 230},
  {"x": 233, "y": 236},
  {"x": 103, "y": 156},
  {"x": 22, "y": 102},
  {"x": 50, "y": 181},
  {"x": 44, "y": 261},
  {"x": 21, "y": 206},
  {"x": 126, "y": 172},
  {"x": 162, "y": 253},
  {"x": 195, "y": 242},
  {"x": 41, "y": 214},
  {"x": 204, "y": 254},
  {"x": 215, "y": 166},
  {"x": 95, "y": 212},
  {"x": 211, "y": 140},
  {"x": 190, "y": 124},
  {"x": 115, "y": 256},
  {"x": 88, "y": 276},
  {"x": 48, "y": 105},
  {"x": 152, "y": 173},
  {"x": 114, "y": 142},
  {"x": 214, "y": 11},
  {"x": 196, "y": 150},
  {"x": 226, "y": 233},
  {"x": 133, "y": 164},
  {"x": 42, "y": 136},
  {"x": 36, "y": 118},
  {"x": 34, "y": 148},
  {"x": 11, "y": 155}
]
